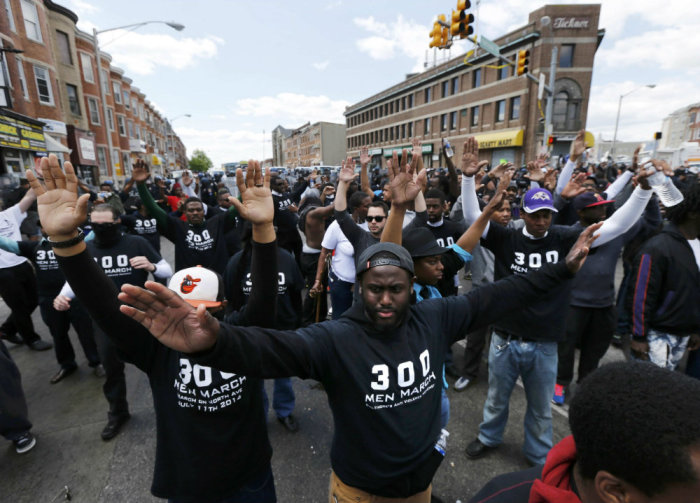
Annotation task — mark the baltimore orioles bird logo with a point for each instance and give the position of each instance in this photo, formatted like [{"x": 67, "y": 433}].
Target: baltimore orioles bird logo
[{"x": 188, "y": 284}]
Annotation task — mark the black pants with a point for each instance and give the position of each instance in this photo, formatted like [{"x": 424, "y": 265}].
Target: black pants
[
  {"x": 14, "y": 419},
  {"x": 309, "y": 265},
  {"x": 18, "y": 290},
  {"x": 476, "y": 341},
  {"x": 114, "y": 387},
  {"x": 59, "y": 323},
  {"x": 593, "y": 328}
]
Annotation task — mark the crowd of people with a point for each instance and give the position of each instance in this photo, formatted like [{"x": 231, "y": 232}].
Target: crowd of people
[{"x": 355, "y": 282}]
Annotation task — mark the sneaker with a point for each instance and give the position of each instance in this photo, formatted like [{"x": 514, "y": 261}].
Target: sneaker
[
  {"x": 25, "y": 443},
  {"x": 40, "y": 345},
  {"x": 559, "y": 395},
  {"x": 99, "y": 370},
  {"x": 13, "y": 338},
  {"x": 462, "y": 383},
  {"x": 616, "y": 340}
]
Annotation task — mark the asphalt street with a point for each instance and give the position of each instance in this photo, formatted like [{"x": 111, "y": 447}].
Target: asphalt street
[{"x": 69, "y": 416}]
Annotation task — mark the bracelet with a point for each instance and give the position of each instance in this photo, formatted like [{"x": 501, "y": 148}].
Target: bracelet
[{"x": 69, "y": 242}]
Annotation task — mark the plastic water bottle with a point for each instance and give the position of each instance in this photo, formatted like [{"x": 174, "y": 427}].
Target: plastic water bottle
[
  {"x": 448, "y": 151},
  {"x": 441, "y": 444},
  {"x": 668, "y": 193}
]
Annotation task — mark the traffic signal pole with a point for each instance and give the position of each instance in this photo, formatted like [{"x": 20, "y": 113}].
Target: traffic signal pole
[{"x": 550, "y": 97}]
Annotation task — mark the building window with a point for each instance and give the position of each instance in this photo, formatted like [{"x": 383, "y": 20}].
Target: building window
[
  {"x": 426, "y": 126},
  {"x": 445, "y": 88},
  {"x": 403, "y": 130},
  {"x": 410, "y": 129},
  {"x": 500, "y": 110},
  {"x": 126, "y": 163},
  {"x": 122, "y": 125},
  {"x": 126, "y": 99},
  {"x": 410, "y": 100},
  {"x": 73, "y": 103},
  {"x": 476, "y": 78},
  {"x": 105, "y": 80},
  {"x": 43, "y": 85},
  {"x": 135, "y": 106},
  {"x": 88, "y": 74},
  {"x": 117, "y": 92},
  {"x": 443, "y": 122},
  {"x": 63, "y": 44},
  {"x": 504, "y": 72},
  {"x": 566, "y": 56},
  {"x": 428, "y": 94},
  {"x": 102, "y": 160},
  {"x": 565, "y": 113},
  {"x": 130, "y": 124},
  {"x": 4, "y": 86},
  {"x": 94, "y": 111},
  {"x": 10, "y": 17},
  {"x": 515, "y": 108},
  {"x": 31, "y": 20},
  {"x": 453, "y": 120},
  {"x": 475, "y": 116},
  {"x": 110, "y": 119},
  {"x": 22, "y": 78},
  {"x": 455, "y": 85}
]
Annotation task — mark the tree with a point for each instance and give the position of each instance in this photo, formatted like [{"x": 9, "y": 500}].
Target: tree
[{"x": 200, "y": 161}]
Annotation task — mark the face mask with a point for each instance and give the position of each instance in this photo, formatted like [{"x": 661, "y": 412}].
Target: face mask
[{"x": 106, "y": 234}]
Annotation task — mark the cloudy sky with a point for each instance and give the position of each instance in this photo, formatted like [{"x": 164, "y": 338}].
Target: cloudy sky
[{"x": 241, "y": 68}]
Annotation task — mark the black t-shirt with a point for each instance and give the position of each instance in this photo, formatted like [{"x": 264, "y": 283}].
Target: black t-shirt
[
  {"x": 146, "y": 227},
  {"x": 49, "y": 278},
  {"x": 114, "y": 260},
  {"x": 286, "y": 222},
  {"x": 515, "y": 253},
  {"x": 203, "y": 245},
  {"x": 290, "y": 283}
]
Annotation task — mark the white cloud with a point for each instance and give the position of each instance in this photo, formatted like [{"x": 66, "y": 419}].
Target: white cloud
[
  {"x": 321, "y": 65},
  {"x": 290, "y": 108},
  {"x": 141, "y": 53},
  {"x": 333, "y": 5},
  {"x": 225, "y": 145},
  {"x": 401, "y": 37},
  {"x": 217, "y": 116},
  {"x": 81, "y": 7}
]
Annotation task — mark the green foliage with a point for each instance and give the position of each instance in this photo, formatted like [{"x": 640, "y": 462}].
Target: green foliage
[{"x": 200, "y": 161}]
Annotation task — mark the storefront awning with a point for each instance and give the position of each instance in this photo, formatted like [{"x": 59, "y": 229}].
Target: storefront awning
[
  {"x": 53, "y": 145},
  {"x": 500, "y": 139},
  {"x": 426, "y": 149}
]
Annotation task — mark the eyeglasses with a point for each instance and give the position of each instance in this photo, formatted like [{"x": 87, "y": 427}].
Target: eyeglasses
[{"x": 376, "y": 219}]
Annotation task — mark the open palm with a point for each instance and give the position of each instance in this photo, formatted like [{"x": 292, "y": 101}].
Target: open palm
[{"x": 256, "y": 203}]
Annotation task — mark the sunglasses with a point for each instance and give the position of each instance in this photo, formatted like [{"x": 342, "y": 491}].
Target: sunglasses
[{"x": 376, "y": 219}]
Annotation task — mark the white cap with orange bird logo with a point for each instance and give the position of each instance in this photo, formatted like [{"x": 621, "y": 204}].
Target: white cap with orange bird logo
[{"x": 198, "y": 285}]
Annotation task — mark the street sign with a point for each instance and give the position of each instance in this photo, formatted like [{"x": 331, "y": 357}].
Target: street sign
[
  {"x": 541, "y": 87},
  {"x": 489, "y": 46}
]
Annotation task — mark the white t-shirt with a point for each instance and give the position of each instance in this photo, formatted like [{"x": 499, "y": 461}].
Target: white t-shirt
[
  {"x": 10, "y": 219},
  {"x": 343, "y": 263},
  {"x": 695, "y": 246}
]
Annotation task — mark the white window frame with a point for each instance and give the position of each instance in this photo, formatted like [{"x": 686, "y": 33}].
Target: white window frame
[
  {"x": 121, "y": 125},
  {"x": 86, "y": 63},
  {"x": 117, "y": 88},
  {"x": 77, "y": 99},
  {"x": 127, "y": 102},
  {"x": 48, "y": 85},
  {"x": 130, "y": 128},
  {"x": 93, "y": 102},
  {"x": 135, "y": 106},
  {"x": 10, "y": 16},
  {"x": 30, "y": 11},
  {"x": 105, "y": 81},
  {"x": 110, "y": 119},
  {"x": 22, "y": 78},
  {"x": 102, "y": 160},
  {"x": 59, "y": 36}
]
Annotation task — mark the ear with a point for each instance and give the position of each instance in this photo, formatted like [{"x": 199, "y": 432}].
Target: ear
[{"x": 611, "y": 489}]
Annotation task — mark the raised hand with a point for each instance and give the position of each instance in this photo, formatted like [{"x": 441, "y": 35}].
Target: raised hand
[
  {"x": 170, "y": 319},
  {"x": 574, "y": 187},
  {"x": 404, "y": 188},
  {"x": 501, "y": 190},
  {"x": 364, "y": 156},
  {"x": 644, "y": 173},
  {"x": 550, "y": 180},
  {"x": 578, "y": 253},
  {"x": 542, "y": 160},
  {"x": 139, "y": 172},
  {"x": 578, "y": 146},
  {"x": 499, "y": 170},
  {"x": 470, "y": 157},
  {"x": 534, "y": 172},
  {"x": 61, "y": 211},
  {"x": 635, "y": 159},
  {"x": 256, "y": 199},
  {"x": 347, "y": 172}
]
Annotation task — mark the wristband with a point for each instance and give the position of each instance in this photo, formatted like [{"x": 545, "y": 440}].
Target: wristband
[{"x": 69, "y": 242}]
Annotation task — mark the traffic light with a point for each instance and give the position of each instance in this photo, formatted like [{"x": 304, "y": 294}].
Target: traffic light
[
  {"x": 461, "y": 20},
  {"x": 550, "y": 140},
  {"x": 436, "y": 35},
  {"x": 444, "y": 32},
  {"x": 523, "y": 61}
]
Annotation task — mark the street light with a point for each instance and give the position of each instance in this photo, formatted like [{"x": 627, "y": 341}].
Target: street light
[
  {"x": 171, "y": 147},
  {"x": 617, "y": 120},
  {"x": 98, "y": 57}
]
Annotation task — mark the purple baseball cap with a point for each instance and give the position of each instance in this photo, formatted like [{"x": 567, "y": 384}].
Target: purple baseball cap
[{"x": 538, "y": 199}]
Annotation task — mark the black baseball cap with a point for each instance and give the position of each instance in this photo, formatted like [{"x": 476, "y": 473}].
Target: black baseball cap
[
  {"x": 384, "y": 254},
  {"x": 420, "y": 242}
]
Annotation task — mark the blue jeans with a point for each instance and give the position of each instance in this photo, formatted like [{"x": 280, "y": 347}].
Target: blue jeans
[
  {"x": 536, "y": 362},
  {"x": 444, "y": 409},
  {"x": 260, "y": 489},
  {"x": 666, "y": 350},
  {"x": 341, "y": 294},
  {"x": 282, "y": 397}
]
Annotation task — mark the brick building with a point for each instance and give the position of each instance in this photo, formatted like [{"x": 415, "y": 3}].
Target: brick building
[
  {"x": 455, "y": 99},
  {"x": 322, "y": 143},
  {"x": 50, "y": 99}
]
